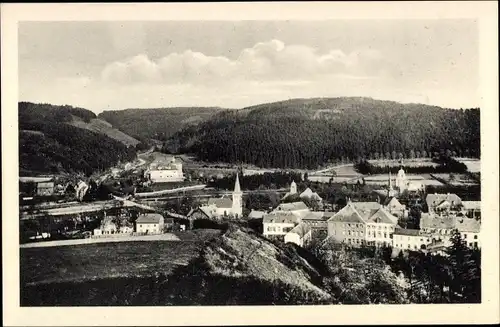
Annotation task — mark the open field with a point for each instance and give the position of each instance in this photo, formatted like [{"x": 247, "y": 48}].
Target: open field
[
  {"x": 473, "y": 165},
  {"x": 455, "y": 179},
  {"x": 121, "y": 238},
  {"x": 109, "y": 260}
]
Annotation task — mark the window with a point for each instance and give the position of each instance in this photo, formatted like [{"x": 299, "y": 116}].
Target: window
[
  {"x": 385, "y": 235},
  {"x": 349, "y": 233},
  {"x": 408, "y": 246},
  {"x": 465, "y": 235},
  {"x": 475, "y": 244},
  {"x": 475, "y": 237},
  {"x": 470, "y": 244}
]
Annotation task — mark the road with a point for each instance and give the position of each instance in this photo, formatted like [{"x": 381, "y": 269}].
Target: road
[{"x": 330, "y": 168}]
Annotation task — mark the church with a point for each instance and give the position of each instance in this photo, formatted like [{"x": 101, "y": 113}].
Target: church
[
  {"x": 221, "y": 207},
  {"x": 403, "y": 184}
]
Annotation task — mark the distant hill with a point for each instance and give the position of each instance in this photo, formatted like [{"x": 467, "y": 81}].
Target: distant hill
[
  {"x": 54, "y": 139},
  {"x": 307, "y": 133},
  {"x": 158, "y": 123},
  {"x": 78, "y": 117}
]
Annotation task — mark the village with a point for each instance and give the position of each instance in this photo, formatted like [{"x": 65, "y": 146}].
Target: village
[{"x": 301, "y": 216}]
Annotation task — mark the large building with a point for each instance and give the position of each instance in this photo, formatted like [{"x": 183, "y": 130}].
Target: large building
[
  {"x": 347, "y": 226},
  {"x": 221, "y": 207},
  {"x": 443, "y": 203},
  {"x": 300, "y": 235},
  {"x": 150, "y": 223},
  {"x": 169, "y": 173}
]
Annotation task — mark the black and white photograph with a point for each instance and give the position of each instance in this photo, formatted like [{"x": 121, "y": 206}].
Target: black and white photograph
[{"x": 250, "y": 162}]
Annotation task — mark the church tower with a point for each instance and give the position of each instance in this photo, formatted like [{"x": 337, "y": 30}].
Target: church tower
[
  {"x": 293, "y": 188},
  {"x": 237, "y": 199},
  {"x": 401, "y": 179}
]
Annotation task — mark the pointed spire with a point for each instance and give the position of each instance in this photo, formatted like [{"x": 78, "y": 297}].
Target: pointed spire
[{"x": 237, "y": 188}]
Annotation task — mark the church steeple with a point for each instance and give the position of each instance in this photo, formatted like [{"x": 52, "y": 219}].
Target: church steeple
[
  {"x": 237, "y": 208},
  {"x": 237, "y": 188}
]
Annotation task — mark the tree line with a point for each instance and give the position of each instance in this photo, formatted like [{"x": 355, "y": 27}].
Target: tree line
[
  {"x": 446, "y": 164},
  {"x": 287, "y": 138}
]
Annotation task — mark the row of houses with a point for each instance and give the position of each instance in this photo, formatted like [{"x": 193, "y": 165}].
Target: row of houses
[
  {"x": 148, "y": 223},
  {"x": 373, "y": 223}
]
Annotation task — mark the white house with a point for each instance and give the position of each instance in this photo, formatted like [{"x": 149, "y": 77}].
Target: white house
[
  {"x": 279, "y": 223},
  {"x": 410, "y": 239},
  {"x": 150, "y": 223},
  {"x": 309, "y": 194},
  {"x": 300, "y": 234},
  {"x": 169, "y": 173}
]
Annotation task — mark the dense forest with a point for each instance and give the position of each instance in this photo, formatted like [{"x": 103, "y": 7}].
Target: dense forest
[
  {"x": 158, "y": 124},
  {"x": 47, "y": 144},
  {"x": 309, "y": 133},
  {"x": 445, "y": 163}
]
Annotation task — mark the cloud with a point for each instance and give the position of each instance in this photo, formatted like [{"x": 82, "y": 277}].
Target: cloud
[{"x": 272, "y": 60}]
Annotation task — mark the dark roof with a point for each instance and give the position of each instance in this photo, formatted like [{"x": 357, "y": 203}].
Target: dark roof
[
  {"x": 221, "y": 202},
  {"x": 409, "y": 232},
  {"x": 149, "y": 218}
]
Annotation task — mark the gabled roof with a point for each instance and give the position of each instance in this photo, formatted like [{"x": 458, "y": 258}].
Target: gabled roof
[
  {"x": 393, "y": 202},
  {"x": 435, "y": 199},
  {"x": 471, "y": 205},
  {"x": 281, "y": 217},
  {"x": 347, "y": 214},
  {"x": 221, "y": 202},
  {"x": 256, "y": 214},
  {"x": 468, "y": 225},
  {"x": 237, "y": 188},
  {"x": 292, "y": 206},
  {"x": 308, "y": 193},
  {"x": 301, "y": 230},
  {"x": 436, "y": 222},
  {"x": 149, "y": 218},
  {"x": 382, "y": 216},
  {"x": 444, "y": 204}
]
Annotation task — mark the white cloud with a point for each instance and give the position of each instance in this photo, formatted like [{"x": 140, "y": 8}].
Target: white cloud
[{"x": 272, "y": 60}]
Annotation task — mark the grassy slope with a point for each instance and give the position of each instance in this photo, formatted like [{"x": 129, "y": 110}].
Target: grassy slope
[
  {"x": 103, "y": 127},
  {"x": 240, "y": 267},
  {"x": 158, "y": 123}
]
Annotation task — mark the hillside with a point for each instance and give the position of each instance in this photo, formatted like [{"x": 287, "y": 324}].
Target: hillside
[
  {"x": 78, "y": 117},
  {"x": 49, "y": 141},
  {"x": 158, "y": 123},
  {"x": 239, "y": 267},
  {"x": 307, "y": 133}
]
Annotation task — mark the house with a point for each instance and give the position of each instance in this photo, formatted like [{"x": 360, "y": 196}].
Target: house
[
  {"x": 410, "y": 239},
  {"x": 45, "y": 188},
  {"x": 472, "y": 208},
  {"x": 277, "y": 224},
  {"x": 438, "y": 227},
  {"x": 318, "y": 220},
  {"x": 298, "y": 208},
  {"x": 300, "y": 235},
  {"x": 255, "y": 214},
  {"x": 469, "y": 229},
  {"x": 439, "y": 203},
  {"x": 395, "y": 207},
  {"x": 172, "y": 172},
  {"x": 309, "y": 194},
  {"x": 221, "y": 207},
  {"x": 347, "y": 226},
  {"x": 150, "y": 223},
  {"x": 380, "y": 226}
]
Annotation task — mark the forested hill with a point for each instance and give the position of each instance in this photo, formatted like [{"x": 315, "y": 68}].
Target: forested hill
[
  {"x": 49, "y": 141},
  {"x": 306, "y": 133},
  {"x": 158, "y": 123}
]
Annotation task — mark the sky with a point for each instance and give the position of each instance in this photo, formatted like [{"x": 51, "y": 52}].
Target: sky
[{"x": 233, "y": 64}]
